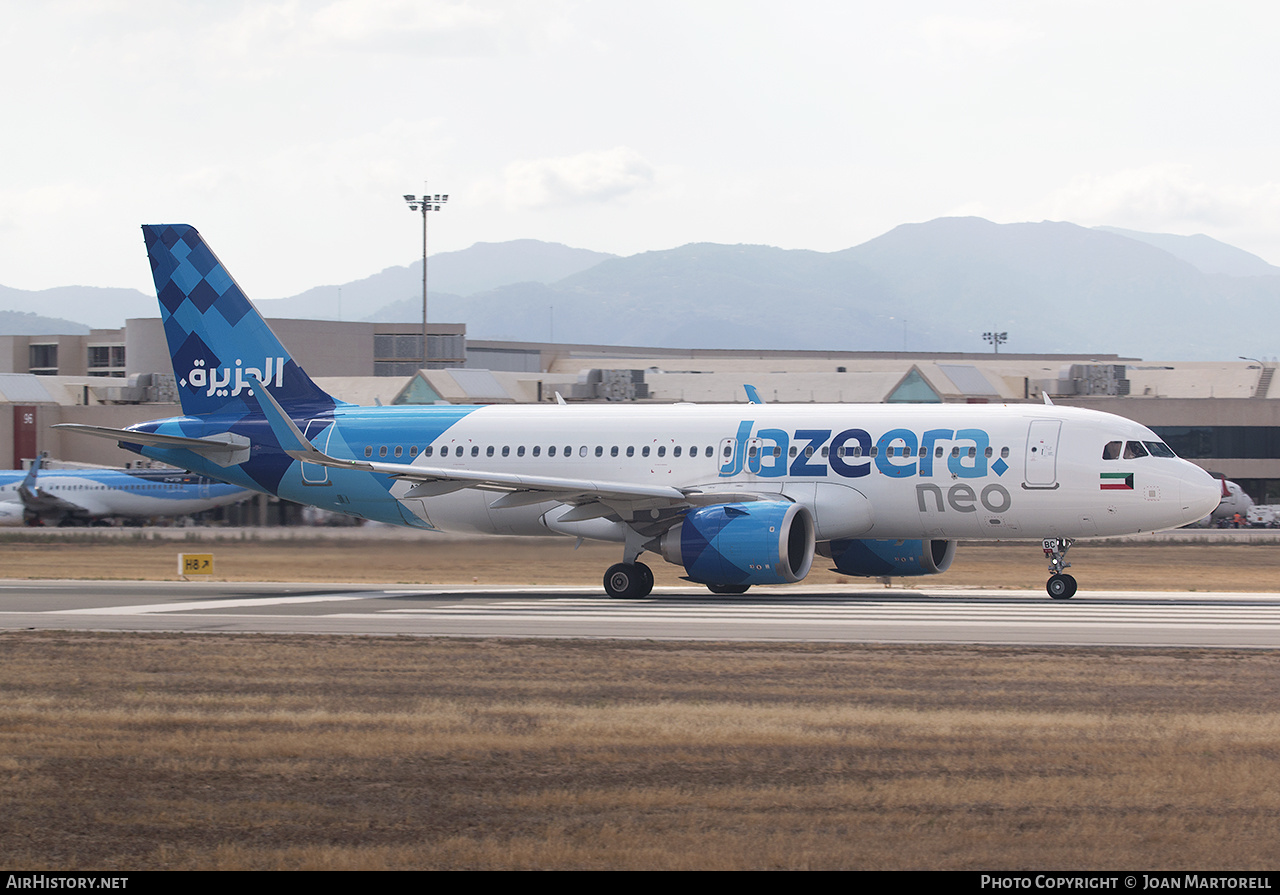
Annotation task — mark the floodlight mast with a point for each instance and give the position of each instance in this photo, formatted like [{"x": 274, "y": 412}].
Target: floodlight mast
[
  {"x": 424, "y": 204},
  {"x": 996, "y": 339}
]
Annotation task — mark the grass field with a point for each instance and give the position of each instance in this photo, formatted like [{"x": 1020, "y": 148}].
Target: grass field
[
  {"x": 177, "y": 751},
  {"x": 140, "y": 751},
  {"x": 427, "y": 559}
]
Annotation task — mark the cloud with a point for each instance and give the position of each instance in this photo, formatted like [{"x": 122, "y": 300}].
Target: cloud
[
  {"x": 586, "y": 178},
  {"x": 954, "y": 36},
  {"x": 1162, "y": 196},
  {"x": 428, "y": 28},
  {"x": 1171, "y": 198}
]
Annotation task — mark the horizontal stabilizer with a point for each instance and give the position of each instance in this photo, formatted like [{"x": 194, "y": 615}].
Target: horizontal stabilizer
[{"x": 224, "y": 449}]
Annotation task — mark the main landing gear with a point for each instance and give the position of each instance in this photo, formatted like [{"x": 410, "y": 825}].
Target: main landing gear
[
  {"x": 628, "y": 581},
  {"x": 1060, "y": 586}
]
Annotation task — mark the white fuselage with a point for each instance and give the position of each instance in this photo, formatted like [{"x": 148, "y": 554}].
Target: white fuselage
[
  {"x": 97, "y": 493},
  {"x": 865, "y": 471}
]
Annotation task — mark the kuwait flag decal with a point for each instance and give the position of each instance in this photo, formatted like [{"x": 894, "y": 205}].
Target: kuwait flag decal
[{"x": 1116, "y": 481}]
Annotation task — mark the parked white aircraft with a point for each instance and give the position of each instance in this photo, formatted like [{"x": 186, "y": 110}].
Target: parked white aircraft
[
  {"x": 1233, "y": 501},
  {"x": 79, "y": 496},
  {"x": 735, "y": 494}
]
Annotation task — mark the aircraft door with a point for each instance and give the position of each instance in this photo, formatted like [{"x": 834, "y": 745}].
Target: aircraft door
[
  {"x": 728, "y": 457},
  {"x": 1042, "y": 454},
  {"x": 314, "y": 473}
]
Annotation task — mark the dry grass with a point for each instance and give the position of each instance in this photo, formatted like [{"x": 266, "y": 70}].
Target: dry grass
[
  {"x": 177, "y": 751},
  {"x": 536, "y": 561}
]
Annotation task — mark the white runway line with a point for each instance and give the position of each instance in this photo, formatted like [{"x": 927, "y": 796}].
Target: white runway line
[{"x": 205, "y": 605}]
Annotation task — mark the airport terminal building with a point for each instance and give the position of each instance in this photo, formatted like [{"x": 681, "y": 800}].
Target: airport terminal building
[{"x": 1224, "y": 416}]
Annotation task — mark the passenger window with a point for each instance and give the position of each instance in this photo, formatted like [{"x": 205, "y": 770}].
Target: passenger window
[
  {"x": 551, "y": 451},
  {"x": 537, "y": 450},
  {"x": 613, "y": 451},
  {"x": 644, "y": 451},
  {"x": 582, "y": 451},
  {"x": 1111, "y": 451},
  {"x": 382, "y": 450},
  {"x": 631, "y": 450},
  {"x": 520, "y": 451},
  {"x": 662, "y": 450},
  {"x": 675, "y": 451},
  {"x": 428, "y": 450},
  {"x": 399, "y": 450},
  {"x": 599, "y": 451},
  {"x": 475, "y": 450},
  {"x": 413, "y": 450},
  {"x": 488, "y": 452},
  {"x": 506, "y": 450},
  {"x": 794, "y": 451},
  {"x": 368, "y": 450},
  {"x": 693, "y": 451},
  {"x": 1004, "y": 452}
]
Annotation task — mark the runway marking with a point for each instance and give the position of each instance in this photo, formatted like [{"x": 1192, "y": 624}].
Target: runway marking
[
  {"x": 939, "y": 615},
  {"x": 233, "y": 603}
]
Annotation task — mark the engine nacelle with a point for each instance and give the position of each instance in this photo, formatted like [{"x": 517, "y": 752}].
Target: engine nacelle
[
  {"x": 765, "y": 542},
  {"x": 896, "y": 559},
  {"x": 11, "y": 514}
]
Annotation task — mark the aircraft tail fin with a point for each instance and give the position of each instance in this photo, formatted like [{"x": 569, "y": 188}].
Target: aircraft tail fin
[{"x": 218, "y": 342}]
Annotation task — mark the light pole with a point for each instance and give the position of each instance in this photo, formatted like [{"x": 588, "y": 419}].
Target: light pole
[
  {"x": 996, "y": 339},
  {"x": 424, "y": 204}
]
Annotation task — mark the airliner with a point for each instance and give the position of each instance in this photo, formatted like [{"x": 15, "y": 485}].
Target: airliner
[
  {"x": 80, "y": 496},
  {"x": 737, "y": 495},
  {"x": 1233, "y": 501}
]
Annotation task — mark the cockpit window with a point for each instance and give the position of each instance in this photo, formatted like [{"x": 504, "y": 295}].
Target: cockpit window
[
  {"x": 1159, "y": 449},
  {"x": 1134, "y": 450},
  {"x": 1112, "y": 450}
]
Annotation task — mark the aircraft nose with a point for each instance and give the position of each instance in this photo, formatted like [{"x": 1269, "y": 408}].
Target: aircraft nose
[{"x": 1200, "y": 491}]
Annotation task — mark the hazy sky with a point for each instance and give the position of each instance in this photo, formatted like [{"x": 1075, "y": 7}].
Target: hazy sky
[{"x": 288, "y": 131}]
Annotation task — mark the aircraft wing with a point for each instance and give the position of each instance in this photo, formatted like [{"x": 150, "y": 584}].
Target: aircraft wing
[
  {"x": 38, "y": 501},
  {"x": 225, "y": 449},
  {"x": 42, "y": 503}
]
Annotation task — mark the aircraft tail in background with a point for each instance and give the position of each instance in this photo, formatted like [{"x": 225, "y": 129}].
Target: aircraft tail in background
[{"x": 218, "y": 342}]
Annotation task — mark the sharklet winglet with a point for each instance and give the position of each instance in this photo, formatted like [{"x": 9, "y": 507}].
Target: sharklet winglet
[{"x": 286, "y": 431}]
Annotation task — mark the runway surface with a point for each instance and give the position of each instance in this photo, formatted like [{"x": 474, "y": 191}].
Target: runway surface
[{"x": 881, "y": 615}]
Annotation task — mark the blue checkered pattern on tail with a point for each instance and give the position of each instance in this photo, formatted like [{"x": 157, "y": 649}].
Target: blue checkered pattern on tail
[{"x": 216, "y": 336}]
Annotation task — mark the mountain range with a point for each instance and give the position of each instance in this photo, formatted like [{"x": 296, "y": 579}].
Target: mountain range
[{"x": 1054, "y": 287}]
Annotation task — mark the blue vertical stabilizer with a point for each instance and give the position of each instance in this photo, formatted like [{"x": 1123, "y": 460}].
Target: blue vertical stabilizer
[{"x": 218, "y": 342}]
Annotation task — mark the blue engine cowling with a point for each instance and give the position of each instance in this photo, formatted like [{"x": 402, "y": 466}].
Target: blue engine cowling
[
  {"x": 765, "y": 542},
  {"x": 896, "y": 559}
]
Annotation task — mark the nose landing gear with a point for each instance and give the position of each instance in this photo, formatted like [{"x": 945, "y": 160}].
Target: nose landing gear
[{"x": 1060, "y": 586}]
